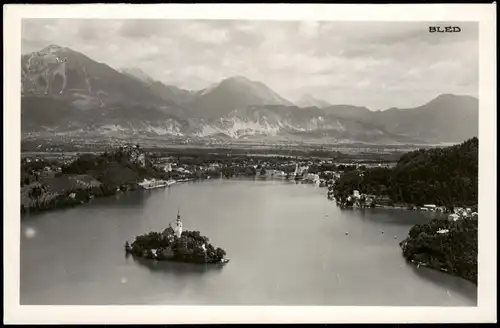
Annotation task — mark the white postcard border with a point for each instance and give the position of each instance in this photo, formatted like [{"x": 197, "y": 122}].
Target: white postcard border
[{"x": 484, "y": 312}]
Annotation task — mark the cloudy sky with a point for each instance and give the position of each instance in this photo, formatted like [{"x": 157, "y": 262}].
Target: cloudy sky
[{"x": 373, "y": 64}]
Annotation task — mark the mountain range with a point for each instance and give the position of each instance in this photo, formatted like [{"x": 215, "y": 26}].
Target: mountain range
[{"x": 99, "y": 100}]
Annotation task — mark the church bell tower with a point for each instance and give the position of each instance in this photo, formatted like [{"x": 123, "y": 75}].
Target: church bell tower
[{"x": 178, "y": 226}]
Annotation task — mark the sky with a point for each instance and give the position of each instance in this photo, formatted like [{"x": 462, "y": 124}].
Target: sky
[{"x": 374, "y": 64}]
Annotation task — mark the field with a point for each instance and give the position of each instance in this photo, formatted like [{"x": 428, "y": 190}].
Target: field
[{"x": 63, "y": 148}]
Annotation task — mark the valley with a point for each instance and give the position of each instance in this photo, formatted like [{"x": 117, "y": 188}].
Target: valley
[{"x": 62, "y": 146}]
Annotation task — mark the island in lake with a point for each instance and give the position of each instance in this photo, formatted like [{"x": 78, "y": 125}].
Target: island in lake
[{"x": 174, "y": 244}]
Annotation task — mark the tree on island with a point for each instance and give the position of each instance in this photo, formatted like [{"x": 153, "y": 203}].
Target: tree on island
[{"x": 190, "y": 247}]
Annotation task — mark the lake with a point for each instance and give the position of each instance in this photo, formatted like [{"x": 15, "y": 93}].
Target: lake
[{"x": 287, "y": 244}]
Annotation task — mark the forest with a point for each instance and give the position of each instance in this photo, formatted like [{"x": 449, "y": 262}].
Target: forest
[
  {"x": 109, "y": 172},
  {"x": 445, "y": 176},
  {"x": 454, "y": 250}
]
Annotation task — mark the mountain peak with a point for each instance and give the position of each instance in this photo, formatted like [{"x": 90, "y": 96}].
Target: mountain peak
[
  {"x": 235, "y": 92},
  {"x": 446, "y": 96},
  {"x": 452, "y": 98},
  {"x": 52, "y": 48},
  {"x": 237, "y": 79},
  {"x": 137, "y": 73},
  {"x": 94, "y": 99},
  {"x": 308, "y": 100}
]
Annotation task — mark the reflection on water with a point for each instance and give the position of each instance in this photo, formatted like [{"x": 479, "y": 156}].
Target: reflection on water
[
  {"x": 394, "y": 216},
  {"x": 176, "y": 268},
  {"x": 128, "y": 199},
  {"x": 287, "y": 243},
  {"x": 451, "y": 284}
]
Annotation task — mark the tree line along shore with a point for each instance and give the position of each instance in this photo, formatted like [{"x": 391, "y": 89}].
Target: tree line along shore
[
  {"x": 445, "y": 178},
  {"x": 48, "y": 184},
  {"x": 438, "y": 178}
]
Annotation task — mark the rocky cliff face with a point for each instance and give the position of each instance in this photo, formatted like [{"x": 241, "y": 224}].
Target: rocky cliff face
[{"x": 293, "y": 123}]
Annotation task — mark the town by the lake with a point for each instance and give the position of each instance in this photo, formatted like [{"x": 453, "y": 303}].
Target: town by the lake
[{"x": 261, "y": 211}]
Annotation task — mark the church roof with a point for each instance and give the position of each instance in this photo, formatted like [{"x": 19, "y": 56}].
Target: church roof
[{"x": 168, "y": 231}]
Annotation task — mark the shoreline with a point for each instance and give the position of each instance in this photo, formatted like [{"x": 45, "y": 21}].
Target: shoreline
[
  {"x": 417, "y": 264},
  {"x": 388, "y": 207},
  {"x": 446, "y": 246},
  {"x": 384, "y": 207},
  {"x": 69, "y": 204}
]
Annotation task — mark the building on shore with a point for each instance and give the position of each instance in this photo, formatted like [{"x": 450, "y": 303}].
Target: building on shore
[
  {"x": 311, "y": 177},
  {"x": 430, "y": 207},
  {"x": 276, "y": 174}
]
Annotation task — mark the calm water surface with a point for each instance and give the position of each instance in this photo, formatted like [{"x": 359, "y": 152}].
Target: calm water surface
[{"x": 287, "y": 244}]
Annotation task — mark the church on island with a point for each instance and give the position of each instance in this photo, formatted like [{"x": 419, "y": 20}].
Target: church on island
[
  {"x": 177, "y": 231},
  {"x": 172, "y": 244}
]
